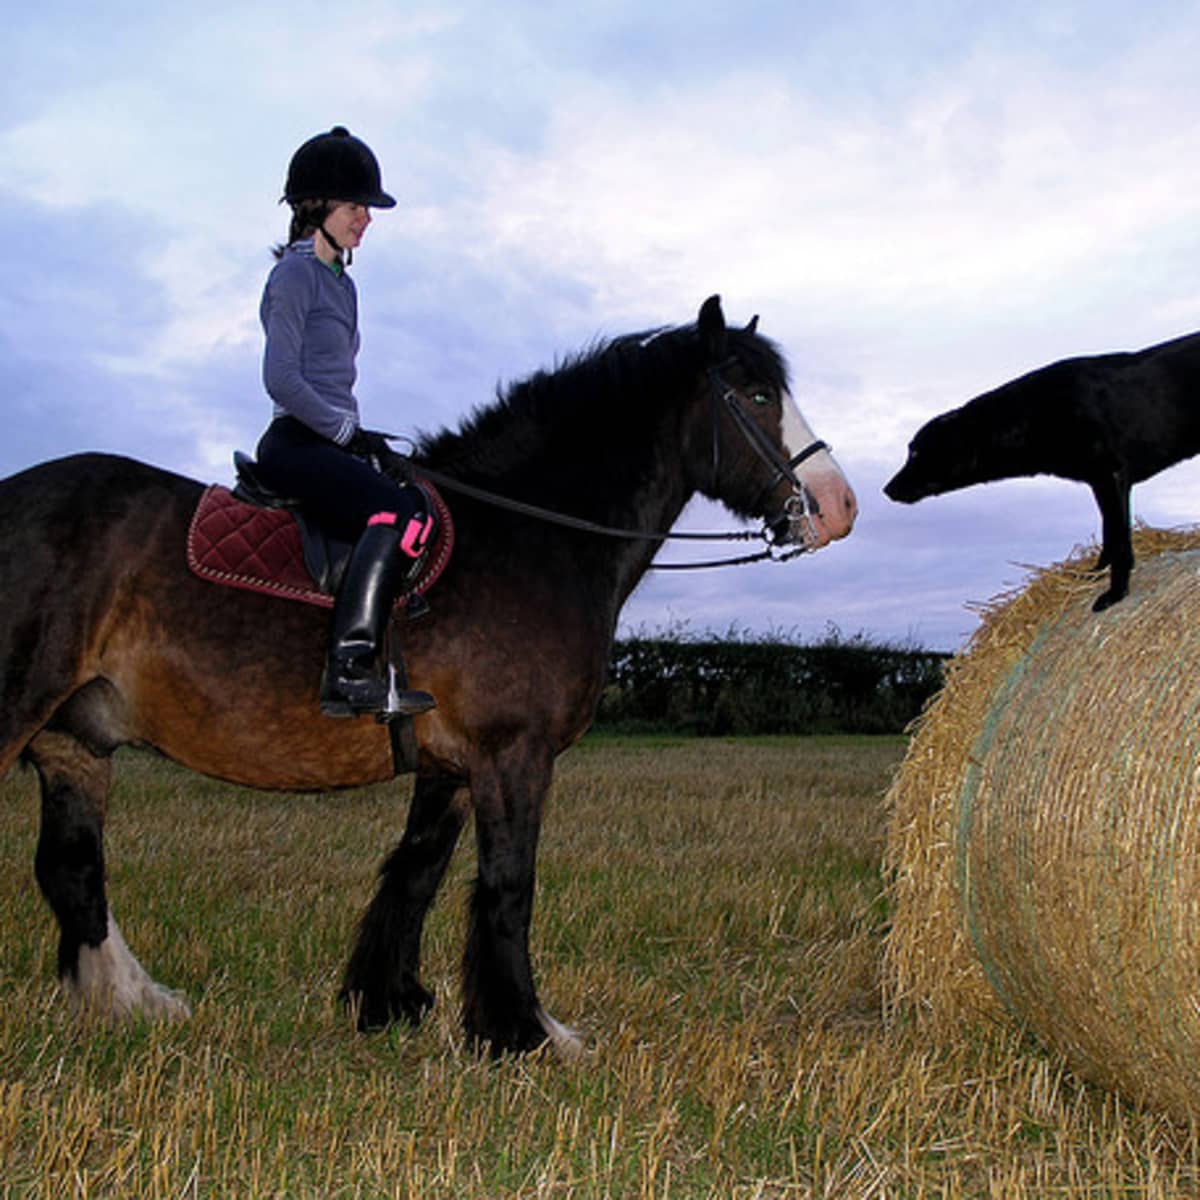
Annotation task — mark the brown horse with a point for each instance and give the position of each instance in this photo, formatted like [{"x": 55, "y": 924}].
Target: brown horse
[{"x": 106, "y": 639}]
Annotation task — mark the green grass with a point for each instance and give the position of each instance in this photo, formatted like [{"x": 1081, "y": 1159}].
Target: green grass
[{"x": 708, "y": 914}]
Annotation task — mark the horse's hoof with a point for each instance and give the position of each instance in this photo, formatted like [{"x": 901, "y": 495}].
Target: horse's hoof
[
  {"x": 540, "y": 1035},
  {"x": 567, "y": 1043},
  {"x": 109, "y": 982},
  {"x": 410, "y": 1007},
  {"x": 416, "y": 1005},
  {"x": 150, "y": 1001},
  {"x": 163, "y": 1004}
]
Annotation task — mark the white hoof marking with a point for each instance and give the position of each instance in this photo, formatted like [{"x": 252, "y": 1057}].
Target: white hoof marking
[
  {"x": 109, "y": 981},
  {"x": 568, "y": 1044}
]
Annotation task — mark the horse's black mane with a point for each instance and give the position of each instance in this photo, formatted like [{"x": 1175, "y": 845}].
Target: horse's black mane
[{"x": 588, "y": 400}]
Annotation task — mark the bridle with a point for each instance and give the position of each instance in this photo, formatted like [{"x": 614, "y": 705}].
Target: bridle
[{"x": 799, "y": 509}]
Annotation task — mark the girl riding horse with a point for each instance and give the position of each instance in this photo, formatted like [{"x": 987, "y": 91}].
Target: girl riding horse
[
  {"x": 315, "y": 449},
  {"x": 107, "y": 638}
]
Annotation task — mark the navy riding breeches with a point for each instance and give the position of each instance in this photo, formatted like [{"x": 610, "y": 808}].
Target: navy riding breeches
[{"x": 339, "y": 490}]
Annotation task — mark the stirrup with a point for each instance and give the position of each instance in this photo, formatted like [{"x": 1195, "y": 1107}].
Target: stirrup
[
  {"x": 405, "y": 702},
  {"x": 385, "y": 702}
]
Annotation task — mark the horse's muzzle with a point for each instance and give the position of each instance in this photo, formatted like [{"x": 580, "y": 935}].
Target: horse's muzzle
[
  {"x": 798, "y": 524},
  {"x": 814, "y": 518}
]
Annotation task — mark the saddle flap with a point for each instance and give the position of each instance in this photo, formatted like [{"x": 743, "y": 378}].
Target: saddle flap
[
  {"x": 324, "y": 557},
  {"x": 261, "y": 549}
]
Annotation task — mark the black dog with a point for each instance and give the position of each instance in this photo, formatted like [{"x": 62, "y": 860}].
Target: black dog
[{"x": 1109, "y": 421}]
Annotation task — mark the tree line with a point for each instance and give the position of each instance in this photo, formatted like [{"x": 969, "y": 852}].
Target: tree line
[{"x": 706, "y": 685}]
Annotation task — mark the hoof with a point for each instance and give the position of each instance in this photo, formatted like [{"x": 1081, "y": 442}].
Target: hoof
[
  {"x": 541, "y": 1034},
  {"x": 567, "y": 1043},
  {"x": 152, "y": 1003},
  {"x": 162, "y": 1004},
  {"x": 409, "y": 1006},
  {"x": 110, "y": 983}
]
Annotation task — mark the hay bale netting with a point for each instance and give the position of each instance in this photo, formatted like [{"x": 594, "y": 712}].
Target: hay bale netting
[{"x": 1044, "y": 847}]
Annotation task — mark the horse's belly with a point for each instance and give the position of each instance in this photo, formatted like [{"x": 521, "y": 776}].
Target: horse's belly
[
  {"x": 254, "y": 734},
  {"x": 318, "y": 754},
  {"x": 226, "y": 683}
]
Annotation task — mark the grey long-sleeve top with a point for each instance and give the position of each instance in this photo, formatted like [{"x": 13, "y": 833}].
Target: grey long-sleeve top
[{"x": 309, "y": 312}]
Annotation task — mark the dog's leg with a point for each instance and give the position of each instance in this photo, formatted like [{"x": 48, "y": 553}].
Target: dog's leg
[{"x": 1112, "y": 497}]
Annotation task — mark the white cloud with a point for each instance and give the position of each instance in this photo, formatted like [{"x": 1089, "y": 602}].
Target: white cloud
[{"x": 966, "y": 192}]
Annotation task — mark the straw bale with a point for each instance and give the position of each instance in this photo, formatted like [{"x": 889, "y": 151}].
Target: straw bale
[{"x": 1044, "y": 840}]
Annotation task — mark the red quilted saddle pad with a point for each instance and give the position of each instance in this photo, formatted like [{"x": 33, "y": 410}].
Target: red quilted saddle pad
[{"x": 259, "y": 549}]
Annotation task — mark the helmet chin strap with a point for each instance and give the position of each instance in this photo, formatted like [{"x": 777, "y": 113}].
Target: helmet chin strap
[{"x": 347, "y": 256}]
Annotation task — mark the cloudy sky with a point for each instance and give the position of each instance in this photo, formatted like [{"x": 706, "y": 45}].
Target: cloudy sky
[{"x": 921, "y": 199}]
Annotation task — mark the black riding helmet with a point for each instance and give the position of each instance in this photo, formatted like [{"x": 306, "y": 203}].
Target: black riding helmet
[{"x": 336, "y": 166}]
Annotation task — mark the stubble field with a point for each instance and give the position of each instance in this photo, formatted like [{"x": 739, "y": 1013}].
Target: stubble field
[{"x": 709, "y": 914}]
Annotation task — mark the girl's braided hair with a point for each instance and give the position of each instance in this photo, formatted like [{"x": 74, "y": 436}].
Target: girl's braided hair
[{"x": 307, "y": 216}]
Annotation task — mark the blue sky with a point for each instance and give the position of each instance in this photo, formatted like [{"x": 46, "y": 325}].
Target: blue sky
[{"x": 922, "y": 200}]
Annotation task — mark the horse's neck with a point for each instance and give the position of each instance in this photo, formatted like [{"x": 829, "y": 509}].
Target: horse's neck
[
  {"x": 627, "y": 475},
  {"x": 652, "y": 506},
  {"x": 607, "y": 465}
]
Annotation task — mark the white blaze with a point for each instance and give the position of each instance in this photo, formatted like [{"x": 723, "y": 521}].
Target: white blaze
[{"x": 822, "y": 478}]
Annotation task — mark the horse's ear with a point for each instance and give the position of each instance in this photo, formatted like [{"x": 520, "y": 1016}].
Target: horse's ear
[
  {"x": 712, "y": 329},
  {"x": 752, "y": 327}
]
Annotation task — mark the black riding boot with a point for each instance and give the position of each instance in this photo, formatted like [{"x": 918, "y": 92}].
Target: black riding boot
[{"x": 357, "y": 678}]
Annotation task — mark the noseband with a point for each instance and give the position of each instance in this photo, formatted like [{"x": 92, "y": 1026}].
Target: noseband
[{"x": 800, "y": 508}]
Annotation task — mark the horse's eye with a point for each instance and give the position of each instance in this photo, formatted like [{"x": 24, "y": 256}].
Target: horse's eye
[{"x": 761, "y": 397}]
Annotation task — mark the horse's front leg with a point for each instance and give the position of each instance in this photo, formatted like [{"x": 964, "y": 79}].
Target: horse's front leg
[
  {"x": 382, "y": 979},
  {"x": 501, "y": 1010}
]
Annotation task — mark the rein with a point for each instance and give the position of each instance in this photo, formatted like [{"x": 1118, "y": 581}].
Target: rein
[
  {"x": 557, "y": 518},
  {"x": 785, "y": 469}
]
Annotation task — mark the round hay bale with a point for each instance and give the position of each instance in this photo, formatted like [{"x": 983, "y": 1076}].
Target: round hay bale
[{"x": 1044, "y": 845}]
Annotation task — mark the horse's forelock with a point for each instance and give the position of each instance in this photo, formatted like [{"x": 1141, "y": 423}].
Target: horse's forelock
[{"x": 760, "y": 357}]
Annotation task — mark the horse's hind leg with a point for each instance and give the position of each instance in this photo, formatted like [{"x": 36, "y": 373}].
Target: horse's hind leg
[
  {"x": 382, "y": 978},
  {"x": 94, "y": 964}
]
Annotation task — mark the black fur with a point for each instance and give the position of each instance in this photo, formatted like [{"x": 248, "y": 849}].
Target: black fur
[
  {"x": 590, "y": 399},
  {"x": 69, "y": 864},
  {"x": 1109, "y": 420},
  {"x": 382, "y": 978}
]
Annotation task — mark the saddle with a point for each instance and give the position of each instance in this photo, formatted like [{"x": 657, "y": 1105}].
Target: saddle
[{"x": 253, "y": 538}]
